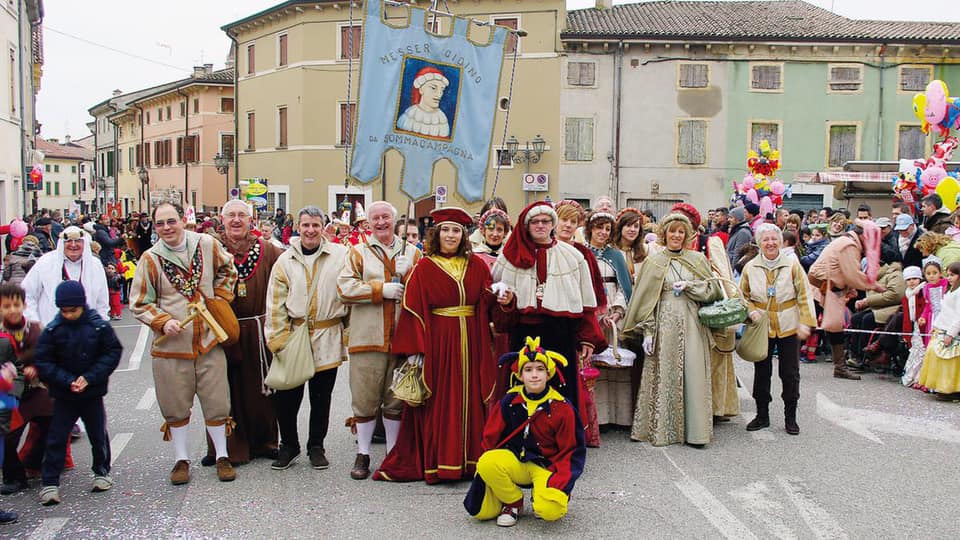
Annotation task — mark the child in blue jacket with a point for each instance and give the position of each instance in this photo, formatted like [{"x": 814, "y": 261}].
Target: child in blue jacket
[{"x": 76, "y": 354}]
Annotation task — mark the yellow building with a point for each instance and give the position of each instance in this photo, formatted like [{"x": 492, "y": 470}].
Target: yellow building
[{"x": 292, "y": 65}]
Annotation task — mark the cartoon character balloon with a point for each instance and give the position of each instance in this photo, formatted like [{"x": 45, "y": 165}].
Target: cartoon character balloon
[
  {"x": 760, "y": 186},
  {"x": 940, "y": 112}
]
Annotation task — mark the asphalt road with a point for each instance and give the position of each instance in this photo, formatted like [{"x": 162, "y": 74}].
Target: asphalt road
[{"x": 874, "y": 460}]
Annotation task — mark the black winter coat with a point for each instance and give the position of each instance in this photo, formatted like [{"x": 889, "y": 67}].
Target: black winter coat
[{"x": 69, "y": 349}]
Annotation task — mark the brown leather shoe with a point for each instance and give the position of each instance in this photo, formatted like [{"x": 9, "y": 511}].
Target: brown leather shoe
[
  {"x": 361, "y": 467},
  {"x": 840, "y": 370},
  {"x": 225, "y": 470},
  {"x": 181, "y": 473}
]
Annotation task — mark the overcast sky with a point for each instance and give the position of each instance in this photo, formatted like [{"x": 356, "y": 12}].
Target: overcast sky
[{"x": 92, "y": 47}]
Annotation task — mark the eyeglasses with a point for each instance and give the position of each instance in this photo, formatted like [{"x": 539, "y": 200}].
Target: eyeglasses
[
  {"x": 545, "y": 221},
  {"x": 168, "y": 223}
]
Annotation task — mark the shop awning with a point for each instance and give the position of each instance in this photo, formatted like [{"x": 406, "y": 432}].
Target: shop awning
[{"x": 850, "y": 184}]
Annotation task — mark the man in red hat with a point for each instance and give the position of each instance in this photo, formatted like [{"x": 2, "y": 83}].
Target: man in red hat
[{"x": 555, "y": 299}]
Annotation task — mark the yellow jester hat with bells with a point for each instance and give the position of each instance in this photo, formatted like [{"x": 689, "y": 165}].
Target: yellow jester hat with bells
[{"x": 533, "y": 352}]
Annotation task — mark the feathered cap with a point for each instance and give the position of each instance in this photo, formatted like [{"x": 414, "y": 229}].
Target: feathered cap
[{"x": 533, "y": 352}]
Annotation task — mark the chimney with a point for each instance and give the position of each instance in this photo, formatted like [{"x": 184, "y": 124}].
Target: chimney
[
  {"x": 66, "y": 139},
  {"x": 52, "y": 140},
  {"x": 208, "y": 69},
  {"x": 604, "y": 4},
  {"x": 117, "y": 92},
  {"x": 198, "y": 71}
]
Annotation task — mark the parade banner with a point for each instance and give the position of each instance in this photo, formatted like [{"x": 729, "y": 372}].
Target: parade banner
[
  {"x": 428, "y": 96},
  {"x": 256, "y": 193}
]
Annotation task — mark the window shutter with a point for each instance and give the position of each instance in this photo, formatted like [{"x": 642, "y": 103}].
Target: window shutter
[
  {"x": 346, "y": 122},
  {"x": 139, "y": 156},
  {"x": 188, "y": 149},
  {"x": 843, "y": 145},
  {"x": 146, "y": 154},
  {"x": 511, "y": 44},
  {"x": 912, "y": 143},
  {"x": 692, "y": 142},
  {"x": 585, "y": 140},
  {"x": 765, "y": 78},
  {"x": 226, "y": 146},
  {"x": 251, "y": 130},
  {"x": 914, "y": 79},
  {"x": 694, "y": 76},
  {"x": 251, "y": 53},
  {"x": 179, "y": 150},
  {"x": 573, "y": 73},
  {"x": 845, "y": 78},
  {"x": 283, "y": 50},
  {"x": 196, "y": 147},
  {"x": 760, "y": 131},
  {"x": 571, "y": 134},
  {"x": 167, "y": 151},
  {"x": 282, "y": 139}
]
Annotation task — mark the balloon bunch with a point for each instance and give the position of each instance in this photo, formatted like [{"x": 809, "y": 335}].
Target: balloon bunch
[
  {"x": 936, "y": 109},
  {"x": 940, "y": 113},
  {"x": 760, "y": 185}
]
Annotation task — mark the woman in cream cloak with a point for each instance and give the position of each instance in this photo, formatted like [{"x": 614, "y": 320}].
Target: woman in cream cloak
[
  {"x": 723, "y": 379},
  {"x": 674, "y": 404}
]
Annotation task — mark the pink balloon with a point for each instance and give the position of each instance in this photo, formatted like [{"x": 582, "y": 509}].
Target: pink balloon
[
  {"x": 936, "y": 107},
  {"x": 752, "y": 195},
  {"x": 932, "y": 175},
  {"x": 777, "y": 187},
  {"x": 748, "y": 182},
  {"x": 766, "y": 206},
  {"x": 18, "y": 229}
]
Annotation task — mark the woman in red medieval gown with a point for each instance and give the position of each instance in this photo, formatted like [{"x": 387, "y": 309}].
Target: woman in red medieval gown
[{"x": 447, "y": 305}]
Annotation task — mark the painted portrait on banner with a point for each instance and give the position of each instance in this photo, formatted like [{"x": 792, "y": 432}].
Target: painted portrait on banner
[{"x": 429, "y": 93}]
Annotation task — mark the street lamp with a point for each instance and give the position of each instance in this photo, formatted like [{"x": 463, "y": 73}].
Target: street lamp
[
  {"x": 531, "y": 153},
  {"x": 222, "y": 162},
  {"x": 144, "y": 176}
]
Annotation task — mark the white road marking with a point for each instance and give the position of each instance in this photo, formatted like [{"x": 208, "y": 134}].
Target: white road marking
[
  {"x": 711, "y": 507},
  {"x": 136, "y": 357},
  {"x": 117, "y": 444},
  {"x": 148, "y": 399},
  {"x": 820, "y": 522},
  {"x": 864, "y": 422},
  {"x": 758, "y": 501},
  {"x": 48, "y": 529}
]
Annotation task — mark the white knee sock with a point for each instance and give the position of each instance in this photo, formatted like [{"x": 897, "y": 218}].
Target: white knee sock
[
  {"x": 365, "y": 436},
  {"x": 392, "y": 429},
  {"x": 179, "y": 437},
  {"x": 219, "y": 436}
]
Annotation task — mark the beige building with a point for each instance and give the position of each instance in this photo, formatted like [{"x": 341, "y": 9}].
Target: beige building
[
  {"x": 292, "y": 66},
  {"x": 66, "y": 173}
]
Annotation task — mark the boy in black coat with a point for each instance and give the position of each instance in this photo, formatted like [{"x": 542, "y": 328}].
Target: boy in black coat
[{"x": 75, "y": 357}]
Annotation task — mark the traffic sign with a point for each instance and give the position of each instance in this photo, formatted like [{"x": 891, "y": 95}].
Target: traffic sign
[
  {"x": 441, "y": 194},
  {"x": 536, "y": 182}
]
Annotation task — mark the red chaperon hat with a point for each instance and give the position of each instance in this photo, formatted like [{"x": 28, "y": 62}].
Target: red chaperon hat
[
  {"x": 521, "y": 249},
  {"x": 690, "y": 211},
  {"x": 451, "y": 214}
]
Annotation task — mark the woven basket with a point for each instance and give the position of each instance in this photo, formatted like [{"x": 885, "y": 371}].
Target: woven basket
[{"x": 726, "y": 312}]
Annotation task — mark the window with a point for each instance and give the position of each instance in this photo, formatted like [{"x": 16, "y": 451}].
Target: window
[
  {"x": 159, "y": 114},
  {"x": 139, "y": 150},
  {"x": 503, "y": 159},
  {"x": 146, "y": 154},
  {"x": 56, "y": 168},
  {"x": 48, "y": 187},
  {"x": 169, "y": 116},
  {"x": 179, "y": 150},
  {"x": 769, "y": 131},
  {"x": 845, "y": 78},
  {"x": 158, "y": 153},
  {"x": 692, "y": 142},
  {"x": 56, "y": 188},
  {"x": 842, "y": 145},
  {"x": 282, "y": 127},
  {"x": 47, "y": 167},
  {"x": 130, "y": 161},
  {"x": 693, "y": 75},
  {"x": 12, "y": 79},
  {"x": 581, "y": 73},
  {"x": 282, "y": 50},
  {"x": 191, "y": 149},
  {"x": 196, "y": 105},
  {"x": 766, "y": 77},
  {"x": 148, "y": 118},
  {"x": 346, "y": 31},
  {"x": 251, "y": 54},
  {"x": 348, "y": 116},
  {"x": 183, "y": 108},
  {"x": 512, "y": 45},
  {"x": 915, "y": 78},
  {"x": 73, "y": 169},
  {"x": 167, "y": 152},
  {"x": 911, "y": 142},
  {"x": 226, "y": 145},
  {"x": 578, "y": 139},
  {"x": 73, "y": 188},
  {"x": 251, "y": 130},
  {"x": 226, "y": 105}
]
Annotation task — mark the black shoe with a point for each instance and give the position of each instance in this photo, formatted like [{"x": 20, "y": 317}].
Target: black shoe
[
  {"x": 9, "y": 488},
  {"x": 8, "y": 517},
  {"x": 285, "y": 457},
  {"x": 758, "y": 423},
  {"x": 792, "y": 427},
  {"x": 318, "y": 459},
  {"x": 208, "y": 461},
  {"x": 361, "y": 467}
]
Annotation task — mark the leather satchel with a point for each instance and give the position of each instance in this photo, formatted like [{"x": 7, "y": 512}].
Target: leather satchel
[
  {"x": 224, "y": 315},
  {"x": 293, "y": 364}
]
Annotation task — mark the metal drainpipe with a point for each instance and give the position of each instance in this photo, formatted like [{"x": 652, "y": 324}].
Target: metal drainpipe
[
  {"x": 618, "y": 59},
  {"x": 116, "y": 159},
  {"x": 883, "y": 50},
  {"x": 96, "y": 165},
  {"x": 236, "y": 111},
  {"x": 143, "y": 162},
  {"x": 24, "y": 177},
  {"x": 183, "y": 147}
]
